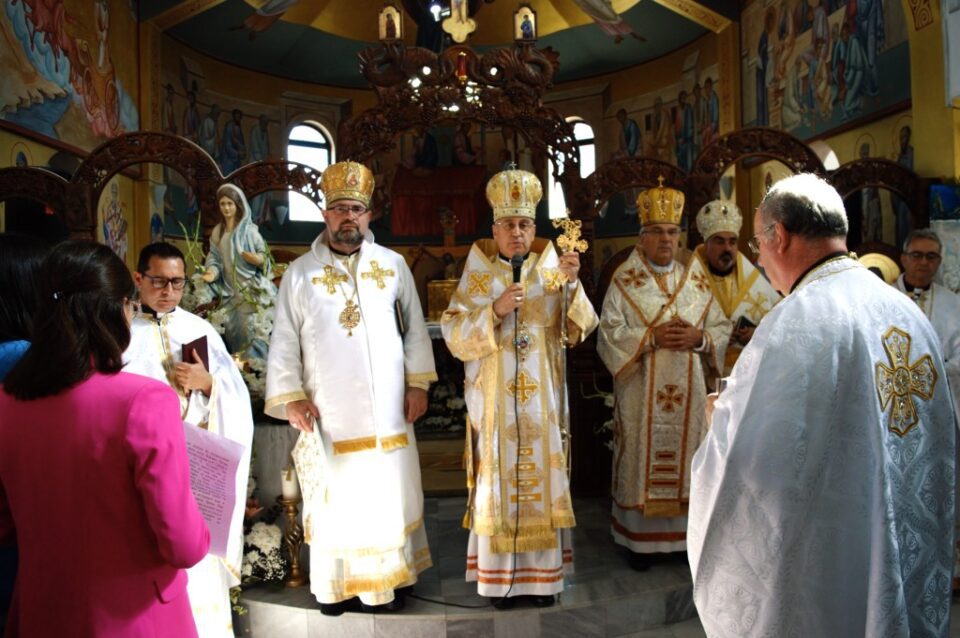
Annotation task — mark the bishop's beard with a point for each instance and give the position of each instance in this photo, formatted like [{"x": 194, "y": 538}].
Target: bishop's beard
[{"x": 348, "y": 236}]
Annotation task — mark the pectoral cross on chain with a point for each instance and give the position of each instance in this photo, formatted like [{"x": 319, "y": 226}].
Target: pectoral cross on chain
[
  {"x": 330, "y": 279},
  {"x": 378, "y": 274}
]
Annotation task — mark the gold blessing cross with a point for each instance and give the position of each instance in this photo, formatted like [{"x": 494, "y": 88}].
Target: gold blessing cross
[{"x": 570, "y": 239}]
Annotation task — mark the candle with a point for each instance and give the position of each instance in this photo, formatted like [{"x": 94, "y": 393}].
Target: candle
[{"x": 289, "y": 485}]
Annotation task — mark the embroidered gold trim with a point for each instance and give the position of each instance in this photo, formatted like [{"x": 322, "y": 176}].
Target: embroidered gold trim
[{"x": 283, "y": 399}]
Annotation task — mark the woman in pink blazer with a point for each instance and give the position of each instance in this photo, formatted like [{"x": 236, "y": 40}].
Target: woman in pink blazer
[{"x": 94, "y": 476}]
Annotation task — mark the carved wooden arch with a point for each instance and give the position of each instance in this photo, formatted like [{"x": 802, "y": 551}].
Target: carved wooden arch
[
  {"x": 505, "y": 89},
  {"x": 883, "y": 173},
  {"x": 278, "y": 175},
  {"x": 51, "y": 190},
  {"x": 197, "y": 167},
  {"x": 760, "y": 141}
]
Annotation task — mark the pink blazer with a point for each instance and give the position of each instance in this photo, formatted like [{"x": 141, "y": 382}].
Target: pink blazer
[{"x": 95, "y": 492}]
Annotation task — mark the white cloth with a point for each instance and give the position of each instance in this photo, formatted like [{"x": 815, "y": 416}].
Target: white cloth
[
  {"x": 660, "y": 394},
  {"x": 942, "y": 307},
  {"x": 527, "y": 436},
  {"x": 155, "y": 346},
  {"x": 363, "y": 502},
  {"x": 809, "y": 515},
  {"x": 744, "y": 292}
]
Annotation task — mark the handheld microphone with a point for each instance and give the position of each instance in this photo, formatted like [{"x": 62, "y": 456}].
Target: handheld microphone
[{"x": 517, "y": 262}]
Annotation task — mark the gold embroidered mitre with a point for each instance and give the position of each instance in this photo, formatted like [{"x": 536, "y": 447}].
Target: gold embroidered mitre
[
  {"x": 514, "y": 193},
  {"x": 347, "y": 180},
  {"x": 717, "y": 217},
  {"x": 660, "y": 205}
]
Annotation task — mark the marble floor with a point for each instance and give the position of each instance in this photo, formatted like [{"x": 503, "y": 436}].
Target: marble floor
[{"x": 603, "y": 596}]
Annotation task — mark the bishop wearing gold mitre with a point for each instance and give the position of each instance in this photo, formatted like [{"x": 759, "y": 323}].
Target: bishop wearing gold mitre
[
  {"x": 350, "y": 361},
  {"x": 504, "y": 323},
  {"x": 661, "y": 328}
]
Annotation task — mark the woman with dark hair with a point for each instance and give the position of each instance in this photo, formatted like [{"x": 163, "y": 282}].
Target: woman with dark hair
[
  {"x": 94, "y": 476},
  {"x": 20, "y": 257}
]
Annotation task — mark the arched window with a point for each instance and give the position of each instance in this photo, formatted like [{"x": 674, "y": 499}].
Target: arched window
[
  {"x": 309, "y": 144},
  {"x": 586, "y": 146}
]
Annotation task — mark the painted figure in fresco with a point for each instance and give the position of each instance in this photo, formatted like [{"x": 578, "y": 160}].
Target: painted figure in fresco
[
  {"x": 168, "y": 118},
  {"x": 683, "y": 130},
  {"x": 813, "y": 54},
  {"x": 764, "y": 63},
  {"x": 871, "y": 35},
  {"x": 901, "y": 210},
  {"x": 662, "y": 132},
  {"x": 629, "y": 134},
  {"x": 870, "y": 211},
  {"x": 390, "y": 28},
  {"x": 239, "y": 272},
  {"x": 114, "y": 225},
  {"x": 526, "y": 27},
  {"x": 792, "y": 107},
  {"x": 209, "y": 137},
  {"x": 260, "y": 150},
  {"x": 191, "y": 118},
  {"x": 233, "y": 150},
  {"x": 854, "y": 72},
  {"x": 712, "y": 130},
  {"x": 700, "y": 121},
  {"x": 838, "y": 59}
]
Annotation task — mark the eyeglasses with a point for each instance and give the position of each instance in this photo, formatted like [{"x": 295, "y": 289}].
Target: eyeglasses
[
  {"x": 159, "y": 283},
  {"x": 918, "y": 256},
  {"x": 754, "y": 242},
  {"x": 660, "y": 232},
  {"x": 508, "y": 225},
  {"x": 355, "y": 210}
]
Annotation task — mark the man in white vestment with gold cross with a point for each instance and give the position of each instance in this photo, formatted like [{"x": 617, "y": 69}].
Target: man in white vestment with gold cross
[
  {"x": 216, "y": 400},
  {"x": 742, "y": 291},
  {"x": 661, "y": 331},
  {"x": 509, "y": 337},
  {"x": 350, "y": 363},
  {"x": 822, "y": 499}
]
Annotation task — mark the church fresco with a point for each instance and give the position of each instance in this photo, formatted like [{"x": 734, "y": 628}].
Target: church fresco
[
  {"x": 811, "y": 66},
  {"x": 63, "y": 75}
]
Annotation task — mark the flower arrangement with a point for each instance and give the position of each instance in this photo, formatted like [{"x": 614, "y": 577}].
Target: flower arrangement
[
  {"x": 446, "y": 411},
  {"x": 263, "y": 559}
]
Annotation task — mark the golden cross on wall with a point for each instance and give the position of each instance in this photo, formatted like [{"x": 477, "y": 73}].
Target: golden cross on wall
[
  {"x": 660, "y": 181},
  {"x": 330, "y": 279},
  {"x": 896, "y": 385},
  {"x": 378, "y": 273},
  {"x": 524, "y": 387}
]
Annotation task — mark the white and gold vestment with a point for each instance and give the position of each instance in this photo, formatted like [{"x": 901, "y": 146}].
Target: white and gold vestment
[
  {"x": 514, "y": 458},
  {"x": 337, "y": 341},
  {"x": 743, "y": 292},
  {"x": 156, "y": 344},
  {"x": 660, "y": 395}
]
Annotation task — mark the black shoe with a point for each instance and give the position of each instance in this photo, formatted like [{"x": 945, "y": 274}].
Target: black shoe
[
  {"x": 543, "y": 601},
  {"x": 504, "y": 603},
  {"x": 333, "y": 609},
  {"x": 397, "y": 604},
  {"x": 640, "y": 562}
]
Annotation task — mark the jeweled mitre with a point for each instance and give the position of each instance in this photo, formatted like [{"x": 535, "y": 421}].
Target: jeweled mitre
[
  {"x": 660, "y": 205},
  {"x": 347, "y": 180},
  {"x": 514, "y": 193},
  {"x": 719, "y": 216}
]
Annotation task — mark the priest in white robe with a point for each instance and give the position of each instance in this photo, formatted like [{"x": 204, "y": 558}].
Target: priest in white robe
[
  {"x": 216, "y": 400},
  {"x": 921, "y": 258},
  {"x": 509, "y": 337},
  {"x": 742, "y": 291},
  {"x": 350, "y": 363},
  {"x": 661, "y": 331},
  {"x": 822, "y": 501}
]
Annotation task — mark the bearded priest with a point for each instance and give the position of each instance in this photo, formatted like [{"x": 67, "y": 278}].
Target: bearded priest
[
  {"x": 661, "y": 331},
  {"x": 504, "y": 323},
  {"x": 739, "y": 287},
  {"x": 349, "y": 366}
]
